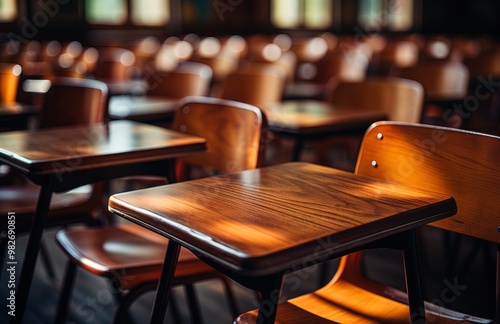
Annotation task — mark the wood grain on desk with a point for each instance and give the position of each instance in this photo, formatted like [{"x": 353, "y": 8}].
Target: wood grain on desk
[
  {"x": 263, "y": 220},
  {"x": 87, "y": 147}
]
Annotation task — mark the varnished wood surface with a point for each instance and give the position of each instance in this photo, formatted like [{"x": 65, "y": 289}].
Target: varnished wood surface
[
  {"x": 311, "y": 117},
  {"x": 233, "y": 131},
  {"x": 401, "y": 99},
  {"x": 125, "y": 87},
  {"x": 141, "y": 108},
  {"x": 85, "y": 147},
  {"x": 442, "y": 80},
  {"x": 466, "y": 163},
  {"x": 265, "y": 220},
  {"x": 458, "y": 163},
  {"x": 304, "y": 90}
]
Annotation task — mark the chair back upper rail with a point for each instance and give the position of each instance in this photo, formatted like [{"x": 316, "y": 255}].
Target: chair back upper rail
[{"x": 459, "y": 163}]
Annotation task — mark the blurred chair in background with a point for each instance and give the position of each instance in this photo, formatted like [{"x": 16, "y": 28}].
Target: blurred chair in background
[
  {"x": 401, "y": 99},
  {"x": 446, "y": 85}
]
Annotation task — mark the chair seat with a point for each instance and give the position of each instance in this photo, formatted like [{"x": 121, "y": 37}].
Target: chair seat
[
  {"x": 345, "y": 302},
  {"x": 131, "y": 254},
  {"x": 22, "y": 199}
]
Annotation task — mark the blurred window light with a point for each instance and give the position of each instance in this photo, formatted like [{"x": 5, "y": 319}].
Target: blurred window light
[
  {"x": 285, "y": 13},
  {"x": 400, "y": 15},
  {"x": 106, "y": 12},
  {"x": 394, "y": 15},
  {"x": 313, "y": 14},
  {"x": 150, "y": 12},
  {"x": 317, "y": 13},
  {"x": 8, "y": 10},
  {"x": 370, "y": 14}
]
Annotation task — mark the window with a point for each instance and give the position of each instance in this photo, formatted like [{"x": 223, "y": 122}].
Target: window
[
  {"x": 106, "y": 12},
  {"x": 150, "y": 12},
  {"x": 8, "y": 10},
  {"x": 400, "y": 16},
  {"x": 314, "y": 14},
  {"x": 115, "y": 12},
  {"x": 394, "y": 15}
]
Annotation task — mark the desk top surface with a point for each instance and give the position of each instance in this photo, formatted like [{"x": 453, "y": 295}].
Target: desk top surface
[
  {"x": 85, "y": 147},
  {"x": 141, "y": 107},
  {"x": 269, "y": 219},
  {"x": 309, "y": 117}
]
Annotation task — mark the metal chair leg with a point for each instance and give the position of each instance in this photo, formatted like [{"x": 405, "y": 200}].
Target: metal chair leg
[
  {"x": 47, "y": 262},
  {"x": 193, "y": 304},
  {"x": 64, "y": 299},
  {"x": 122, "y": 315}
]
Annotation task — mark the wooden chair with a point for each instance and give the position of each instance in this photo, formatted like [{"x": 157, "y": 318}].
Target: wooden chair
[
  {"x": 424, "y": 156},
  {"x": 9, "y": 81},
  {"x": 339, "y": 65},
  {"x": 401, "y": 53},
  {"x": 445, "y": 83},
  {"x": 343, "y": 65},
  {"x": 258, "y": 84},
  {"x": 233, "y": 134},
  {"x": 74, "y": 101},
  {"x": 10, "y": 77},
  {"x": 484, "y": 70},
  {"x": 68, "y": 102},
  {"x": 114, "y": 64},
  {"x": 484, "y": 64},
  {"x": 188, "y": 79},
  {"x": 400, "y": 99}
]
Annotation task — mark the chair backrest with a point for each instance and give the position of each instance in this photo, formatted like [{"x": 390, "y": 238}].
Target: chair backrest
[
  {"x": 401, "y": 53},
  {"x": 9, "y": 81},
  {"x": 258, "y": 85},
  {"x": 401, "y": 99},
  {"x": 485, "y": 64},
  {"x": 188, "y": 79},
  {"x": 222, "y": 64},
  {"x": 114, "y": 64},
  {"x": 74, "y": 102},
  {"x": 459, "y": 163},
  {"x": 343, "y": 64},
  {"x": 442, "y": 80},
  {"x": 233, "y": 131}
]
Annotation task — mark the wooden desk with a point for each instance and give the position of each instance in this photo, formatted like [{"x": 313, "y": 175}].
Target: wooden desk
[
  {"x": 128, "y": 87},
  {"x": 59, "y": 159},
  {"x": 308, "y": 119},
  {"x": 142, "y": 108},
  {"x": 298, "y": 119},
  {"x": 257, "y": 225},
  {"x": 304, "y": 90}
]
